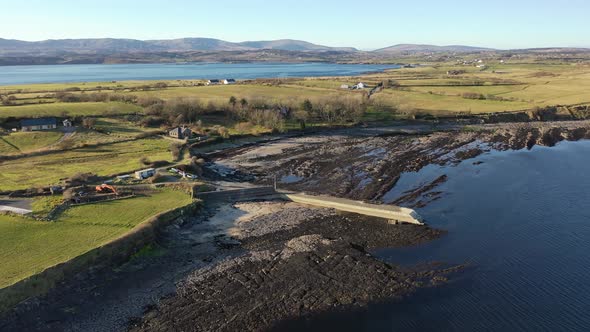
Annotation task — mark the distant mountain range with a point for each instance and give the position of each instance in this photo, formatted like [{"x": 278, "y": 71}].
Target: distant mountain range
[
  {"x": 111, "y": 45},
  {"x": 417, "y": 48},
  {"x": 111, "y": 50}
]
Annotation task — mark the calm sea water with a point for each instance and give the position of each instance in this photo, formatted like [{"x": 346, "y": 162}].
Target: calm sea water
[
  {"x": 98, "y": 73},
  {"x": 522, "y": 221}
]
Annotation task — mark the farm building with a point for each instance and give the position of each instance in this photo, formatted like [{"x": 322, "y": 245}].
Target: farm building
[
  {"x": 180, "y": 133},
  {"x": 228, "y": 81},
  {"x": 38, "y": 124},
  {"x": 213, "y": 82},
  {"x": 145, "y": 173},
  {"x": 67, "y": 123}
]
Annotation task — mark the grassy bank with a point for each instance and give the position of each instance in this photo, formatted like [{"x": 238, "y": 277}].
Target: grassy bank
[
  {"x": 103, "y": 160},
  {"x": 28, "y": 247}
]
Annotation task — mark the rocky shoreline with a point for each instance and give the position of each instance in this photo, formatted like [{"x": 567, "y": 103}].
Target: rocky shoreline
[
  {"x": 318, "y": 265},
  {"x": 363, "y": 167}
]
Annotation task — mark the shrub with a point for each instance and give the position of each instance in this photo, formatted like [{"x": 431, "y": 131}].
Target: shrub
[
  {"x": 88, "y": 122},
  {"x": 473, "y": 95},
  {"x": 176, "y": 150},
  {"x": 145, "y": 161}
]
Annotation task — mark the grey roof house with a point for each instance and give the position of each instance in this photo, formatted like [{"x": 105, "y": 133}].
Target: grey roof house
[{"x": 38, "y": 124}]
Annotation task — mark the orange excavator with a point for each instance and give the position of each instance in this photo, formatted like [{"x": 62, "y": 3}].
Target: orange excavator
[{"x": 105, "y": 188}]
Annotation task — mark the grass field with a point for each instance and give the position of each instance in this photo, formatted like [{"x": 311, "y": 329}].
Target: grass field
[
  {"x": 108, "y": 130},
  {"x": 41, "y": 89},
  {"x": 21, "y": 142},
  {"x": 223, "y": 92},
  {"x": 28, "y": 247},
  {"x": 102, "y": 160},
  {"x": 68, "y": 109},
  {"x": 531, "y": 85}
]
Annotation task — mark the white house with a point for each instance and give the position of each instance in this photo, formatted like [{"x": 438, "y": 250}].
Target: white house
[
  {"x": 344, "y": 87},
  {"x": 228, "y": 81},
  {"x": 359, "y": 86},
  {"x": 213, "y": 82}
]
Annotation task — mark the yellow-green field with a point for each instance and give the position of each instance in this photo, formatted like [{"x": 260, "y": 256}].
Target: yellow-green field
[
  {"x": 520, "y": 86},
  {"x": 42, "y": 88},
  {"x": 68, "y": 109},
  {"x": 507, "y": 87},
  {"x": 102, "y": 160},
  {"x": 28, "y": 247}
]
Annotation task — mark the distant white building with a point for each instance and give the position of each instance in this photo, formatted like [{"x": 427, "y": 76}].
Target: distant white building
[
  {"x": 228, "y": 81},
  {"x": 345, "y": 87},
  {"x": 359, "y": 86},
  {"x": 213, "y": 82}
]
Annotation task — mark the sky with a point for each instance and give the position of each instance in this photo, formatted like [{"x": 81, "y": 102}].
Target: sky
[{"x": 363, "y": 24}]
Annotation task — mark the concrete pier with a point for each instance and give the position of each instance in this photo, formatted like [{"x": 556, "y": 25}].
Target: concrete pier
[
  {"x": 390, "y": 212},
  {"x": 394, "y": 214}
]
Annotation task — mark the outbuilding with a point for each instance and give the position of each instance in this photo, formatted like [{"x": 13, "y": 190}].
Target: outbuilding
[
  {"x": 145, "y": 173},
  {"x": 213, "y": 82}
]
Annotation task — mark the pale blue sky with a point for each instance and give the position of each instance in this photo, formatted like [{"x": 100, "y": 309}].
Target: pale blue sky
[{"x": 361, "y": 24}]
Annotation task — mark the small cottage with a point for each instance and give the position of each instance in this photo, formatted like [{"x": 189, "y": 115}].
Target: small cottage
[
  {"x": 180, "y": 133},
  {"x": 213, "y": 82},
  {"x": 229, "y": 81},
  {"x": 67, "y": 123},
  {"x": 38, "y": 124}
]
